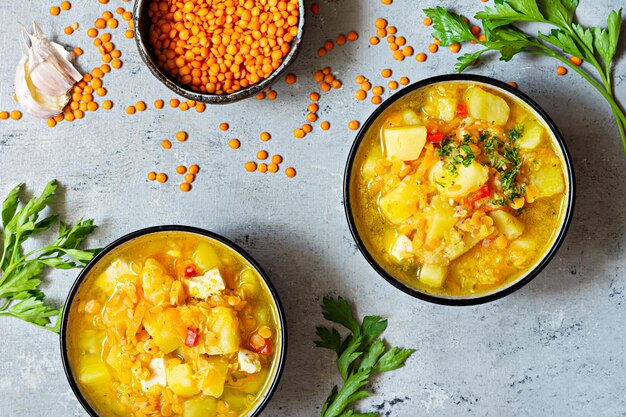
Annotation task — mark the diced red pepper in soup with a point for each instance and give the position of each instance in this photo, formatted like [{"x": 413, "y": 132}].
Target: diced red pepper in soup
[
  {"x": 434, "y": 137},
  {"x": 482, "y": 192},
  {"x": 193, "y": 338}
]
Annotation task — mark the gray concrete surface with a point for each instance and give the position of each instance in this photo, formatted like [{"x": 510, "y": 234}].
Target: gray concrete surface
[{"x": 554, "y": 348}]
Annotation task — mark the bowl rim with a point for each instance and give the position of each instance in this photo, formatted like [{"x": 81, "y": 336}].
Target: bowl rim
[
  {"x": 165, "y": 79},
  {"x": 280, "y": 366},
  {"x": 549, "y": 254}
]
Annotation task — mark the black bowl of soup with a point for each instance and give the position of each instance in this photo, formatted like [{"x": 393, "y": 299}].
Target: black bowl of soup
[
  {"x": 173, "y": 321},
  {"x": 459, "y": 189}
]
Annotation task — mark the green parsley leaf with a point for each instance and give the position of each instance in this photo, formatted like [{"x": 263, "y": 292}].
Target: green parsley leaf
[
  {"x": 329, "y": 339},
  {"x": 20, "y": 296},
  {"x": 449, "y": 27},
  {"x": 360, "y": 355},
  {"x": 559, "y": 12},
  {"x": 393, "y": 359},
  {"x": 339, "y": 312}
]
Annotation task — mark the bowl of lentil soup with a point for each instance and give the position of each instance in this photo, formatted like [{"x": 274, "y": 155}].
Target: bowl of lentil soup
[
  {"x": 459, "y": 189},
  {"x": 218, "y": 52},
  {"x": 173, "y": 321}
]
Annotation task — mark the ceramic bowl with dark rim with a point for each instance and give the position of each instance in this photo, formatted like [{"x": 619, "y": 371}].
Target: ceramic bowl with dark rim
[
  {"x": 372, "y": 127},
  {"x": 140, "y": 240},
  {"x": 142, "y": 39}
]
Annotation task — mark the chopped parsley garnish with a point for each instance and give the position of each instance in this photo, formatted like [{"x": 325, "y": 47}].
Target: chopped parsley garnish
[
  {"x": 515, "y": 133},
  {"x": 459, "y": 154}
]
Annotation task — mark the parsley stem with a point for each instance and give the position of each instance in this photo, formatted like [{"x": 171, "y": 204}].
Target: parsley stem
[{"x": 619, "y": 115}]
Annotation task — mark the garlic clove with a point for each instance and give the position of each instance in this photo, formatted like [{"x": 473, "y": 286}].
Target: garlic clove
[
  {"x": 49, "y": 65},
  {"x": 34, "y": 102}
]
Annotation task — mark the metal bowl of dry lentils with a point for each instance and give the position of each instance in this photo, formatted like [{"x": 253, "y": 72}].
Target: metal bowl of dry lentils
[{"x": 217, "y": 51}]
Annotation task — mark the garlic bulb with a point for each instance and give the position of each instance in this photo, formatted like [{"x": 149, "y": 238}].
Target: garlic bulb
[{"x": 44, "y": 76}]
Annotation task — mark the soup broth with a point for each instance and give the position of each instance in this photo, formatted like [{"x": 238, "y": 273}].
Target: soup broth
[{"x": 458, "y": 189}]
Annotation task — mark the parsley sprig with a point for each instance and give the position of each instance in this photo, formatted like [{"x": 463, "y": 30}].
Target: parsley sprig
[
  {"x": 20, "y": 296},
  {"x": 596, "y": 45},
  {"x": 360, "y": 355}
]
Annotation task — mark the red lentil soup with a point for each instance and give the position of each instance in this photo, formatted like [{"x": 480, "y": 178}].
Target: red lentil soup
[
  {"x": 458, "y": 189},
  {"x": 173, "y": 324}
]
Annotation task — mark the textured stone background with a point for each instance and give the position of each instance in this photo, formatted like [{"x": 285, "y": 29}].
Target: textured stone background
[{"x": 555, "y": 348}]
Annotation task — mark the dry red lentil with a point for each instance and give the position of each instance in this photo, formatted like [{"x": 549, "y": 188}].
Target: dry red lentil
[{"x": 230, "y": 54}]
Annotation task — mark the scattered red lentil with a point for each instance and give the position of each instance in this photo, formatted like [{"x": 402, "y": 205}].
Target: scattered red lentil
[
  {"x": 161, "y": 177},
  {"x": 427, "y": 21},
  {"x": 454, "y": 48},
  {"x": 265, "y": 136},
  {"x": 194, "y": 169},
  {"x": 234, "y": 143},
  {"x": 575, "y": 60},
  {"x": 262, "y": 155},
  {"x": 290, "y": 79},
  {"x": 277, "y": 159},
  {"x": 190, "y": 178},
  {"x": 184, "y": 187},
  {"x": 374, "y": 40},
  {"x": 352, "y": 36},
  {"x": 166, "y": 144},
  {"x": 421, "y": 57},
  {"x": 353, "y": 125},
  {"x": 181, "y": 136},
  {"x": 250, "y": 166},
  {"x": 272, "y": 168},
  {"x": 262, "y": 168},
  {"x": 290, "y": 172},
  {"x": 561, "y": 70},
  {"x": 152, "y": 176},
  {"x": 404, "y": 80},
  {"x": 512, "y": 84},
  {"x": 55, "y": 10},
  {"x": 325, "y": 125}
]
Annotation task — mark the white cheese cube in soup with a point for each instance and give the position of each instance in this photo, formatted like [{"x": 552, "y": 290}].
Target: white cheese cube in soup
[
  {"x": 402, "y": 248},
  {"x": 249, "y": 362},
  {"x": 486, "y": 106},
  {"x": 405, "y": 142},
  {"x": 158, "y": 376},
  {"x": 206, "y": 285}
]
